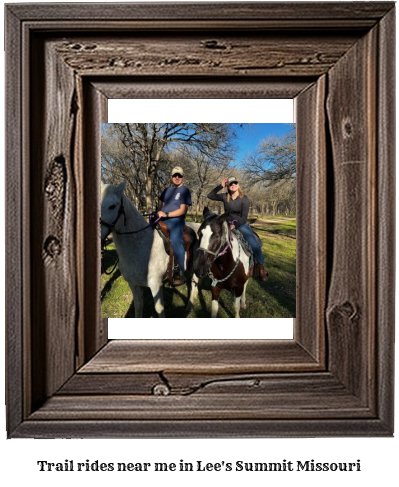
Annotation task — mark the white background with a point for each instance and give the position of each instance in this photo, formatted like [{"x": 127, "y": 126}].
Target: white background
[
  {"x": 379, "y": 457},
  {"x": 201, "y": 111},
  {"x": 209, "y": 111}
]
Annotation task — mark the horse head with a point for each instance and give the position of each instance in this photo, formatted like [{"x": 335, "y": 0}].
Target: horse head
[
  {"x": 206, "y": 212},
  {"x": 111, "y": 208},
  {"x": 213, "y": 235}
]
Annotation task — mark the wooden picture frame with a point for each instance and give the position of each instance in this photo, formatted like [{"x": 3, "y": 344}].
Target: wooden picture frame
[{"x": 335, "y": 378}]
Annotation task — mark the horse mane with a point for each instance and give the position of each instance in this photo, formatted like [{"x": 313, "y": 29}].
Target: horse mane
[
  {"x": 132, "y": 213},
  {"x": 207, "y": 213},
  {"x": 210, "y": 215}
]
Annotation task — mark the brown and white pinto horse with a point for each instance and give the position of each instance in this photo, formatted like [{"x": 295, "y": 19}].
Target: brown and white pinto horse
[{"x": 220, "y": 256}]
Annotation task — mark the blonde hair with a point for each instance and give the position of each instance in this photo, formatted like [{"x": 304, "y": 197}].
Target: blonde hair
[{"x": 240, "y": 193}]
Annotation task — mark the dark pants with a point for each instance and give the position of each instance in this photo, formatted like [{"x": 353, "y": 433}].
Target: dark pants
[
  {"x": 176, "y": 226},
  {"x": 253, "y": 242}
]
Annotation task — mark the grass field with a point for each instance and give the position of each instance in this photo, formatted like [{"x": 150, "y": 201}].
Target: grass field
[{"x": 273, "y": 299}]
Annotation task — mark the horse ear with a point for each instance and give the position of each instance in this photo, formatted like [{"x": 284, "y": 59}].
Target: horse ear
[
  {"x": 120, "y": 189},
  {"x": 207, "y": 213}
]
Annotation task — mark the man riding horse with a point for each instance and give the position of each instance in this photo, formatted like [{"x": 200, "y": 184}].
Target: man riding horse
[
  {"x": 175, "y": 201},
  {"x": 237, "y": 204}
]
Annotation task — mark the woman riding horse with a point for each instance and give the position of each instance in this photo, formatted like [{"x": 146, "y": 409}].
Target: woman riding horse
[{"x": 237, "y": 204}]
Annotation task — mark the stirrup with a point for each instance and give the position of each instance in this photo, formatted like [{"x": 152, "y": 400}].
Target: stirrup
[{"x": 179, "y": 280}]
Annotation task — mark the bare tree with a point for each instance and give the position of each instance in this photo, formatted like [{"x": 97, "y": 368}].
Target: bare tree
[
  {"x": 203, "y": 172},
  {"x": 146, "y": 147},
  {"x": 274, "y": 159},
  {"x": 119, "y": 162},
  {"x": 271, "y": 170}
]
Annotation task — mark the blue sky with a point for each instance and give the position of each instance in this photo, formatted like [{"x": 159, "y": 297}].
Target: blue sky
[{"x": 251, "y": 134}]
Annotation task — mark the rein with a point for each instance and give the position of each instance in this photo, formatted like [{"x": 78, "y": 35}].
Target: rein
[
  {"x": 215, "y": 281},
  {"x": 111, "y": 226}
]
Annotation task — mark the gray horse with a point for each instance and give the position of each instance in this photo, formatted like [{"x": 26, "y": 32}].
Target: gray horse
[{"x": 142, "y": 257}]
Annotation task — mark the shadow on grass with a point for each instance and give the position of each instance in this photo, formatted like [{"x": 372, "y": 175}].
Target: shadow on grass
[
  {"x": 276, "y": 229},
  {"x": 206, "y": 309},
  {"x": 275, "y": 299},
  {"x": 109, "y": 261},
  {"x": 169, "y": 295},
  {"x": 279, "y": 292}
]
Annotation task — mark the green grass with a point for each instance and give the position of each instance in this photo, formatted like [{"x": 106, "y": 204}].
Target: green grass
[{"x": 273, "y": 299}]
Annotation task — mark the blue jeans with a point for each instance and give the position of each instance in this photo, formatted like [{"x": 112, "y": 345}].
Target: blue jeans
[
  {"x": 253, "y": 242},
  {"x": 176, "y": 226}
]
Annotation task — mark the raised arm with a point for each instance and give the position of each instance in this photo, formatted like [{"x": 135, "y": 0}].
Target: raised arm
[{"x": 213, "y": 194}]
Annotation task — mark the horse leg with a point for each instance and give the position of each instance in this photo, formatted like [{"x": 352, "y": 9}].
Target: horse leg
[
  {"x": 237, "y": 301},
  {"x": 157, "y": 294},
  {"x": 243, "y": 302},
  {"x": 193, "y": 293},
  {"x": 137, "y": 300},
  {"x": 192, "y": 288},
  {"x": 215, "y": 301}
]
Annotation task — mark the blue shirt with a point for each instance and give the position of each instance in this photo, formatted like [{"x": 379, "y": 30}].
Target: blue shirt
[{"x": 174, "y": 197}]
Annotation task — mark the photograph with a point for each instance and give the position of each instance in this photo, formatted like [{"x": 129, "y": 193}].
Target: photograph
[{"x": 198, "y": 220}]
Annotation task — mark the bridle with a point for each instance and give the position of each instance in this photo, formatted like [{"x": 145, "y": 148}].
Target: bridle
[
  {"x": 224, "y": 240},
  {"x": 121, "y": 211},
  {"x": 111, "y": 228}
]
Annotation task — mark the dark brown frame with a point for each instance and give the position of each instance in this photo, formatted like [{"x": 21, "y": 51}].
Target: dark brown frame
[{"x": 336, "y": 376}]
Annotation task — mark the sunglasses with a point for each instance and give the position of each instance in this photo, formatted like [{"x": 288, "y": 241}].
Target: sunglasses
[
  {"x": 177, "y": 175},
  {"x": 234, "y": 182}
]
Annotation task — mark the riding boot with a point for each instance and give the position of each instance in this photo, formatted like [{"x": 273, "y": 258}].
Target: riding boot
[
  {"x": 263, "y": 274},
  {"x": 179, "y": 280}
]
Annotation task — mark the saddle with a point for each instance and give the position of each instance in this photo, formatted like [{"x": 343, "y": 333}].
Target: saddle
[
  {"x": 257, "y": 270},
  {"x": 189, "y": 238},
  {"x": 244, "y": 244}
]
